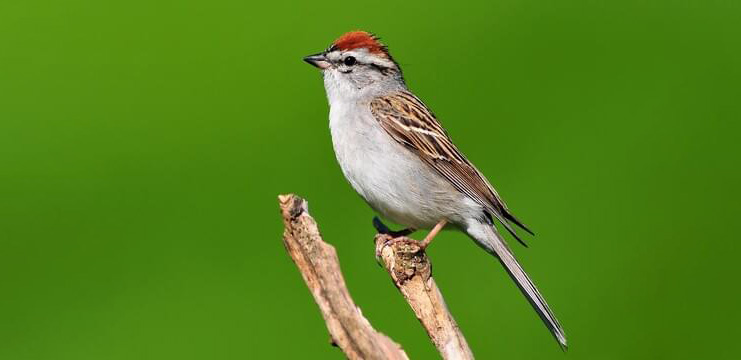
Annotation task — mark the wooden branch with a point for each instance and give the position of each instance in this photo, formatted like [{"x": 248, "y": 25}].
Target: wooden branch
[
  {"x": 318, "y": 263},
  {"x": 411, "y": 271}
]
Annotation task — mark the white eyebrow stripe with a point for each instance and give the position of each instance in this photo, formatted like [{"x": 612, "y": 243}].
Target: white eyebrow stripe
[{"x": 363, "y": 56}]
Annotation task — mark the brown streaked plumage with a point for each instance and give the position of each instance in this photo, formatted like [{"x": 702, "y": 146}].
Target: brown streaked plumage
[
  {"x": 400, "y": 160},
  {"x": 412, "y": 124}
]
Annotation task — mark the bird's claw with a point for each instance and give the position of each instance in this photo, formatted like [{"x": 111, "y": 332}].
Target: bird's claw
[
  {"x": 383, "y": 229},
  {"x": 380, "y": 226}
]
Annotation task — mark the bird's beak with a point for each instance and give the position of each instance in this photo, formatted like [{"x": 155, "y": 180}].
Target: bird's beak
[{"x": 318, "y": 60}]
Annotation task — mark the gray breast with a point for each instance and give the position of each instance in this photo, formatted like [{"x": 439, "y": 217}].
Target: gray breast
[{"x": 393, "y": 181}]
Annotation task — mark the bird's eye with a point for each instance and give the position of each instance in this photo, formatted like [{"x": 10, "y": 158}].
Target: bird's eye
[{"x": 350, "y": 61}]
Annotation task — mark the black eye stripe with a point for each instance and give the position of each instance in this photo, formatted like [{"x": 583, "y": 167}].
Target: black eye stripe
[{"x": 382, "y": 69}]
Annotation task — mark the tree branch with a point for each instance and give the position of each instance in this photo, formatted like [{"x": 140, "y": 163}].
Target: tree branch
[
  {"x": 318, "y": 263},
  {"x": 410, "y": 271}
]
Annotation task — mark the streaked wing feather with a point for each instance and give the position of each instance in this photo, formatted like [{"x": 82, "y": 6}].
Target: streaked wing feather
[{"x": 410, "y": 123}]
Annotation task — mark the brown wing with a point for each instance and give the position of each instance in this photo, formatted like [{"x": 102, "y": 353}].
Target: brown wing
[{"x": 407, "y": 120}]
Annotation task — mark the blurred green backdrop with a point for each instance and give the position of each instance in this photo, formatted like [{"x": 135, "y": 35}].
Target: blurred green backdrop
[{"x": 143, "y": 144}]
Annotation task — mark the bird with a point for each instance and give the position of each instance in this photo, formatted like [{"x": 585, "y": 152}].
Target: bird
[{"x": 397, "y": 156}]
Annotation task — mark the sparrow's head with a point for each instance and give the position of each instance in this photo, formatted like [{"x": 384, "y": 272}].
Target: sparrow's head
[{"x": 357, "y": 63}]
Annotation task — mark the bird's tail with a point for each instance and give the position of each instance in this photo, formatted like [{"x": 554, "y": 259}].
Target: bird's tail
[{"x": 488, "y": 238}]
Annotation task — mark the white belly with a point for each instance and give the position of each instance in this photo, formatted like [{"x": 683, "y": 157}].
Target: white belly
[{"x": 393, "y": 180}]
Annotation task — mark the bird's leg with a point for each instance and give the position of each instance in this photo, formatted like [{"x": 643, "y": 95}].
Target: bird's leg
[
  {"x": 383, "y": 229},
  {"x": 393, "y": 235},
  {"x": 428, "y": 239}
]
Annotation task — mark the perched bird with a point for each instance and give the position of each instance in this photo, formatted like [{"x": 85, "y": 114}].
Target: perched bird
[{"x": 398, "y": 157}]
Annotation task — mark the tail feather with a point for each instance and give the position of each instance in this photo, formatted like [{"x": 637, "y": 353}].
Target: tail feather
[{"x": 488, "y": 238}]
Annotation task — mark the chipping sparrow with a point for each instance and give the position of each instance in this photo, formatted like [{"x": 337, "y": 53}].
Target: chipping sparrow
[{"x": 399, "y": 158}]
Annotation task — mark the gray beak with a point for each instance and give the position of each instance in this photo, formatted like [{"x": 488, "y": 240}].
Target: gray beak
[{"x": 318, "y": 60}]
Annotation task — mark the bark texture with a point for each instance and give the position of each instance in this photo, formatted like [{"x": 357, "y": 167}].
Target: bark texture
[
  {"x": 406, "y": 263},
  {"x": 318, "y": 263},
  {"x": 411, "y": 272}
]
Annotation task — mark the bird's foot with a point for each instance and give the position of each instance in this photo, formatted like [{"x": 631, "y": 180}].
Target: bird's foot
[
  {"x": 403, "y": 249},
  {"x": 383, "y": 229},
  {"x": 391, "y": 235}
]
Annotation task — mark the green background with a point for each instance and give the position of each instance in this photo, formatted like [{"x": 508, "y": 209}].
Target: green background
[{"x": 143, "y": 145}]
